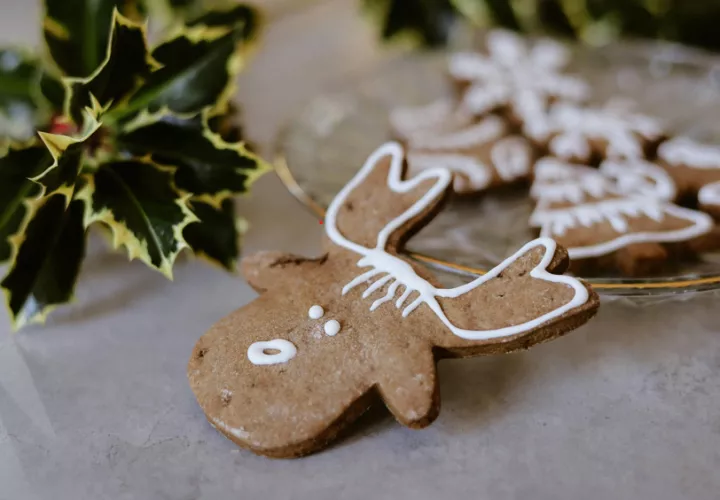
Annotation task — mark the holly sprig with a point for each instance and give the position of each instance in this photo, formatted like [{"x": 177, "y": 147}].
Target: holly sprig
[{"x": 137, "y": 138}]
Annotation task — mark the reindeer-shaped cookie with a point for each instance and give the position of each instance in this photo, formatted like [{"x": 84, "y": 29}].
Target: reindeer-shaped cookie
[{"x": 329, "y": 337}]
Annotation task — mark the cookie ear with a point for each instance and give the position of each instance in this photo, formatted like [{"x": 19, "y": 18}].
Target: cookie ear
[
  {"x": 378, "y": 209},
  {"x": 514, "y": 304},
  {"x": 266, "y": 270}
]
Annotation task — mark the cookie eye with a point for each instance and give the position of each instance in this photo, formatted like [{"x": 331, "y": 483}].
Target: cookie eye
[{"x": 271, "y": 352}]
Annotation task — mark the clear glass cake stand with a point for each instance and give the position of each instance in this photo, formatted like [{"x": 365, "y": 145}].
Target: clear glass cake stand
[{"x": 325, "y": 144}]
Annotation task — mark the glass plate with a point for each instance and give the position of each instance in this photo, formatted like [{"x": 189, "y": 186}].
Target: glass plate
[{"x": 323, "y": 147}]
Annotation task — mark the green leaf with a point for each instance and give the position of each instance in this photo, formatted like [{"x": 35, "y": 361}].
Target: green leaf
[
  {"x": 16, "y": 188},
  {"x": 245, "y": 17},
  {"x": 216, "y": 236},
  {"x": 199, "y": 69},
  {"x": 77, "y": 32},
  {"x": 206, "y": 164},
  {"x": 127, "y": 62},
  {"x": 138, "y": 200},
  {"x": 47, "y": 260},
  {"x": 425, "y": 22},
  {"x": 53, "y": 91},
  {"x": 22, "y": 107}
]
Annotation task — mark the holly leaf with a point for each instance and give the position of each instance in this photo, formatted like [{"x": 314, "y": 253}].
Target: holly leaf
[
  {"x": 207, "y": 166},
  {"x": 245, "y": 17},
  {"x": 425, "y": 23},
  {"x": 77, "y": 32},
  {"x": 17, "y": 166},
  {"x": 146, "y": 213},
  {"x": 22, "y": 107},
  {"x": 198, "y": 70},
  {"x": 127, "y": 62},
  {"x": 49, "y": 250},
  {"x": 216, "y": 236}
]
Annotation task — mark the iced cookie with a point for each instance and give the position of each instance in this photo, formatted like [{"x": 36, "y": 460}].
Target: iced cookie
[
  {"x": 329, "y": 337},
  {"x": 481, "y": 156},
  {"x": 691, "y": 164},
  {"x": 515, "y": 77},
  {"x": 615, "y": 218},
  {"x": 440, "y": 116},
  {"x": 589, "y": 135}
]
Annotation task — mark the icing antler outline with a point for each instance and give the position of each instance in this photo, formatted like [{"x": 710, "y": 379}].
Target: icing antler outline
[{"x": 402, "y": 272}]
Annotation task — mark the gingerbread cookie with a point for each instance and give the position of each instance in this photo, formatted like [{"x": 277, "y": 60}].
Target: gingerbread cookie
[
  {"x": 691, "y": 164},
  {"x": 589, "y": 135},
  {"x": 441, "y": 116},
  {"x": 329, "y": 337},
  {"x": 515, "y": 78},
  {"x": 709, "y": 199},
  {"x": 614, "y": 218},
  {"x": 481, "y": 155}
]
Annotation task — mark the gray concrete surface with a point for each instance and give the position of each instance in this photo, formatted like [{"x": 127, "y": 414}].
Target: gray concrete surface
[{"x": 96, "y": 405}]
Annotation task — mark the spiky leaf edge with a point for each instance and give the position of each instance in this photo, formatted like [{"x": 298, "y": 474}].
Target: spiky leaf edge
[
  {"x": 69, "y": 82},
  {"x": 122, "y": 237},
  {"x": 56, "y": 145},
  {"x": 216, "y": 199}
]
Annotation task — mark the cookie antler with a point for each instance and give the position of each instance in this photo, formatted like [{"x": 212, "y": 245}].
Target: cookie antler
[{"x": 355, "y": 210}]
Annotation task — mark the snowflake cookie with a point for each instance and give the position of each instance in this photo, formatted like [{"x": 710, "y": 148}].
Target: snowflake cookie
[
  {"x": 515, "y": 77},
  {"x": 587, "y": 135},
  {"x": 481, "y": 156},
  {"x": 709, "y": 199},
  {"x": 362, "y": 325},
  {"x": 616, "y": 218}
]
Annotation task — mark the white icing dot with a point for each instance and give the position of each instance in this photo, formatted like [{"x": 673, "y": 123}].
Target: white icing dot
[
  {"x": 332, "y": 328},
  {"x": 257, "y": 355},
  {"x": 316, "y": 312}
]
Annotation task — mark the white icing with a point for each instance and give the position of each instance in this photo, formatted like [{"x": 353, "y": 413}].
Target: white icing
[
  {"x": 480, "y": 133},
  {"x": 442, "y": 114},
  {"x": 400, "y": 272},
  {"x": 709, "y": 194},
  {"x": 511, "y": 158},
  {"x": 316, "y": 312},
  {"x": 510, "y": 70},
  {"x": 615, "y": 194},
  {"x": 572, "y": 128},
  {"x": 332, "y": 328},
  {"x": 616, "y": 212},
  {"x": 686, "y": 152},
  {"x": 475, "y": 174},
  {"x": 556, "y": 181},
  {"x": 257, "y": 355},
  {"x": 640, "y": 177},
  {"x": 559, "y": 181}
]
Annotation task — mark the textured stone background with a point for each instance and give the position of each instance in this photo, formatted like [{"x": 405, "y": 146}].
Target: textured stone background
[{"x": 96, "y": 404}]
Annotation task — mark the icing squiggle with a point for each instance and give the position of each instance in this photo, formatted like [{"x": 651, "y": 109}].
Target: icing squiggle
[
  {"x": 396, "y": 272},
  {"x": 684, "y": 151}
]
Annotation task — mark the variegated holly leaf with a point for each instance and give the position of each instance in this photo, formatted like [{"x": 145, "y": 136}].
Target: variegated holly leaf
[
  {"x": 207, "y": 166},
  {"x": 22, "y": 107},
  {"x": 16, "y": 189},
  {"x": 127, "y": 62},
  {"x": 138, "y": 200},
  {"x": 48, "y": 252},
  {"x": 243, "y": 16},
  {"x": 217, "y": 234},
  {"x": 77, "y": 32},
  {"x": 199, "y": 70}
]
